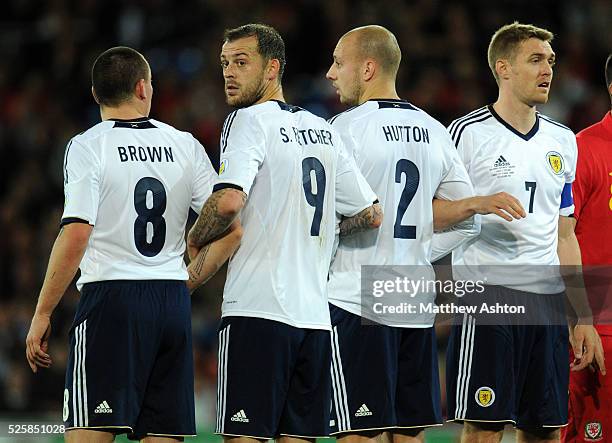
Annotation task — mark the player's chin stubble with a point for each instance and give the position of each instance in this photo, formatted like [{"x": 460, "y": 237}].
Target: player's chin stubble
[
  {"x": 249, "y": 96},
  {"x": 351, "y": 96}
]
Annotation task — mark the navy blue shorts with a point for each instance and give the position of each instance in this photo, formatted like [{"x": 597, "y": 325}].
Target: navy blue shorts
[
  {"x": 383, "y": 377},
  {"x": 130, "y": 366},
  {"x": 508, "y": 373},
  {"x": 273, "y": 379}
]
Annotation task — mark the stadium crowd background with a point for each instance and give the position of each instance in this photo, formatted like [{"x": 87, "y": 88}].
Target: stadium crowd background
[{"x": 47, "y": 50}]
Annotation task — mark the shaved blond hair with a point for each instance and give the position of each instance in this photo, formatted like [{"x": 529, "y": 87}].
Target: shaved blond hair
[
  {"x": 378, "y": 43},
  {"x": 507, "y": 39}
]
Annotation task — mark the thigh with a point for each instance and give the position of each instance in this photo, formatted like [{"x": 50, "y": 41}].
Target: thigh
[
  {"x": 364, "y": 373},
  {"x": 418, "y": 380},
  {"x": 307, "y": 409},
  {"x": 105, "y": 379},
  {"x": 590, "y": 403},
  {"x": 168, "y": 405},
  {"x": 543, "y": 378},
  {"x": 256, "y": 360},
  {"x": 480, "y": 376}
]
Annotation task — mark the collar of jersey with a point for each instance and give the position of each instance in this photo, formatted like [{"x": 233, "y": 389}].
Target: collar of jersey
[
  {"x": 397, "y": 100},
  {"x": 131, "y": 120},
  {"x": 533, "y": 131}
]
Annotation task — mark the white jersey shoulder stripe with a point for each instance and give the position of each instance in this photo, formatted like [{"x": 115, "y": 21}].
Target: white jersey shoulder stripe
[
  {"x": 457, "y": 137},
  {"x": 66, "y": 160},
  {"x": 226, "y": 129},
  {"x": 457, "y": 124},
  {"x": 465, "y": 117},
  {"x": 333, "y": 119},
  {"x": 549, "y": 120}
]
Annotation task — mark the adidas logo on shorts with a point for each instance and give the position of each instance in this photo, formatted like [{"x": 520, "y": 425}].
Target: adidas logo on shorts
[
  {"x": 363, "y": 411},
  {"x": 103, "y": 408},
  {"x": 240, "y": 416}
]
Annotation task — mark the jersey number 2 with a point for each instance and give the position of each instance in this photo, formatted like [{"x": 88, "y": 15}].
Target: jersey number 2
[
  {"x": 410, "y": 170},
  {"x": 148, "y": 215},
  {"x": 310, "y": 164}
]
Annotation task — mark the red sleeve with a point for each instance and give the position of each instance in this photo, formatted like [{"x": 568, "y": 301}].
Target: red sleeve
[{"x": 581, "y": 188}]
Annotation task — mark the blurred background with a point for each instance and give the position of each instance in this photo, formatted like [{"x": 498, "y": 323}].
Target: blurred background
[{"x": 46, "y": 53}]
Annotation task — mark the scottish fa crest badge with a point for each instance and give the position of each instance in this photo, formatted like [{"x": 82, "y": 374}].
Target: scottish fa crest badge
[
  {"x": 485, "y": 396},
  {"x": 555, "y": 161}
]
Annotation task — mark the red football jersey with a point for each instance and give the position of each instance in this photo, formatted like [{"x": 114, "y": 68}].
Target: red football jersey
[{"x": 593, "y": 211}]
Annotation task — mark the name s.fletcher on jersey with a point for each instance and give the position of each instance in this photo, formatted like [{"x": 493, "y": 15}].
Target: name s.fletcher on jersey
[
  {"x": 146, "y": 153},
  {"x": 305, "y": 136}
]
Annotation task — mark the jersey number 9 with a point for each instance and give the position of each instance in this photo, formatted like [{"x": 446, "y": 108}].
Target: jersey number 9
[{"x": 315, "y": 199}]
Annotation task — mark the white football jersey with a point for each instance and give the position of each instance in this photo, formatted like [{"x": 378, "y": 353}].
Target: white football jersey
[
  {"x": 134, "y": 181},
  {"x": 408, "y": 158},
  {"x": 537, "y": 168},
  {"x": 296, "y": 173}
]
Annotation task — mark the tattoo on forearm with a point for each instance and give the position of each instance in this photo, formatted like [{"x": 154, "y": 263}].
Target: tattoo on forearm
[
  {"x": 210, "y": 224},
  {"x": 360, "y": 222},
  {"x": 194, "y": 273}
]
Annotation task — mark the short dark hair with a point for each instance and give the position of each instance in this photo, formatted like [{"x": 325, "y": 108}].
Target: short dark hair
[
  {"x": 508, "y": 38},
  {"x": 269, "y": 42},
  {"x": 115, "y": 73},
  {"x": 609, "y": 71}
]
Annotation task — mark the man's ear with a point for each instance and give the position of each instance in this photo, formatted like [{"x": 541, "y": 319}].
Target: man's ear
[
  {"x": 502, "y": 67},
  {"x": 140, "y": 89},
  {"x": 93, "y": 92},
  {"x": 369, "y": 69},
  {"x": 273, "y": 69}
]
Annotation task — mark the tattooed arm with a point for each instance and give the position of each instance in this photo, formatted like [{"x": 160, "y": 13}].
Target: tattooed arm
[
  {"x": 64, "y": 261},
  {"x": 218, "y": 213},
  {"x": 212, "y": 256},
  {"x": 370, "y": 218}
]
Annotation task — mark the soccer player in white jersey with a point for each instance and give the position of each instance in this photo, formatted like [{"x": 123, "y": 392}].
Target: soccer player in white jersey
[
  {"x": 385, "y": 377},
  {"x": 129, "y": 184},
  {"x": 517, "y": 374},
  {"x": 286, "y": 172}
]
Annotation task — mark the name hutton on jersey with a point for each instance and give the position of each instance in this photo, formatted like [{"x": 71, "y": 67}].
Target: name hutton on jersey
[
  {"x": 304, "y": 137},
  {"x": 145, "y": 153},
  {"x": 400, "y": 133}
]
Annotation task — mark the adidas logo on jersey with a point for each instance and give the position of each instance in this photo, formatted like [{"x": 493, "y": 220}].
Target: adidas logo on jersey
[
  {"x": 240, "y": 416},
  {"x": 501, "y": 161},
  {"x": 363, "y": 411},
  {"x": 103, "y": 408},
  {"x": 502, "y": 168}
]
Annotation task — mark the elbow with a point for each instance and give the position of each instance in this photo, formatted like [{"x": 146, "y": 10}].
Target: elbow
[
  {"x": 230, "y": 203},
  {"x": 228, "y": 209},
  {"x": 236, "y": 234},
  {"x": 78, "y": 234}
]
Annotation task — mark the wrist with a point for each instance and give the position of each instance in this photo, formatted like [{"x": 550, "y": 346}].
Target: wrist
[
  {"x": 472, "y": 206},
  {"x": 43, "y": 313}
]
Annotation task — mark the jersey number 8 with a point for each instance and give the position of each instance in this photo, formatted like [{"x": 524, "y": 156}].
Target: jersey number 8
[{"x": 148, "y": 215}]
